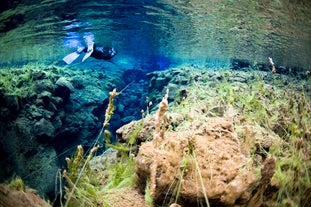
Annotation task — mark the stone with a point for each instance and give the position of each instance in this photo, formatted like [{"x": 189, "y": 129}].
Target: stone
[
  {"x": 11, "y": 197},
  {"x": 120, "y": 107},
  {"x": 43, "y": 85},
  {"x": 63, "y": 82},
  {"x": 11, "y": 102},
  {"x": 38, "y": 75},
  {"x": 45, "y": 96},
  {"x": 211, "y": 161},
  {"x": 63, "y": 88},
  {"x": 43, "y": 129}
]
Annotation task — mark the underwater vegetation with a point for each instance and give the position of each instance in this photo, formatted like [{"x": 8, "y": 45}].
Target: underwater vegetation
[
  {"x": 264, "y": 116},
  {"x": 217, "y": 138}
]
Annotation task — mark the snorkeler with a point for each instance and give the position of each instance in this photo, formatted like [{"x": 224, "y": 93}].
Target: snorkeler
[
  {"x": 92, "y": 50},
  {"x": 95, "y": 51}
]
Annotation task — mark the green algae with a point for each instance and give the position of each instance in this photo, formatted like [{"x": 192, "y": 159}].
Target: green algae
[
  {"x": 84, "y": 187},
  {"x": 20, "y": 81},
  {"x": 17, "y": 184}
]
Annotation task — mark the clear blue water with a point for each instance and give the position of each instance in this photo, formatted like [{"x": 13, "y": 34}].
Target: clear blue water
[
  {"x": 149, "y": 34},
  {"x": 193, "y": 31}
]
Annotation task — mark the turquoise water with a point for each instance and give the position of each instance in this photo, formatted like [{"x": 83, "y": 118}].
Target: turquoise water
[{"x": 198, "y": 31}]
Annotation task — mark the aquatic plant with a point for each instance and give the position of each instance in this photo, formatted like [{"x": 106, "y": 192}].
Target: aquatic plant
[
  {"x": 121, "y": 174},
  {"x": 17, "y": 183},
  {"x": 84, "y": 188},
  {"x": 82, "y": 184}
]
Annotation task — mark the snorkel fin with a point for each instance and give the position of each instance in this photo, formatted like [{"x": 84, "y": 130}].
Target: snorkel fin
[
  {"x": 72, "y": 56},
  {"x": 89, "y": 51},
  {"x": 89, "y": 39}
]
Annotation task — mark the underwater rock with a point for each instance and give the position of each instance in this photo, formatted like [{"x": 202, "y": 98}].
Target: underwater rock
[
  {"x": 11, "y": 102},
  {"x": 35, "y": 164},
  {"x": 63, "y": 88},
  {"x": 4, "y": 114},
  {"x": 157, "y": 79},
  {"x": 128, "y": 197},
  {"x": 133, "y": 75},
  {"x": 43, "y": 130},
  {"x": 142, "y": 130},
  {"x": 46, "y": 97},
  {"x": 11, "y": 197},
  {"x": 120, "y": 107},
  {"x": 38, "y": 75},
  {"x": 43, "y": 166},
  {"x": 42, "y": 85},
  {"x": 9, "y": 106},
  {"x": 237, "y": 64},
  {"x": 63, "y": 82},
  {"x": 78, "y": 83},
  {"x": 115, "y": 122},
  {"x": 127, "y": 119},
  {"x": 49, "y": 119},
  {"x": 160, "y": 82},
  {"x": 212, "y": 155},
  {"x": 174, "y": 79}
]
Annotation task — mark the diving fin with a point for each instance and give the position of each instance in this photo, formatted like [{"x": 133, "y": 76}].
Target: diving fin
[
  {"x": 89, "y": 51},
  {"x": 72, "y": 56}
]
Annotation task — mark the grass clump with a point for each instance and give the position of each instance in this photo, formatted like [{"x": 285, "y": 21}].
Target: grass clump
[
  {"x": 84, "y": 189},
  {"x": 121, "y": 174},
  {"x": 17, "y": 184},
  {"x": 82, "y": 186}
]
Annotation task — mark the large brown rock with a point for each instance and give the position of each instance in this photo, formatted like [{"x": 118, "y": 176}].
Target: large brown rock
[
  {"x": 10, "y": 197},
  {"x": 195, "y": 162}
]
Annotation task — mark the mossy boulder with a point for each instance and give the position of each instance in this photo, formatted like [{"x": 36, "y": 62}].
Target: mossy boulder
[{"x": 207, "y": 160}]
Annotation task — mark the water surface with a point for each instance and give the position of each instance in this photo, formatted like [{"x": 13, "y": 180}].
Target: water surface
[{"x": 197, "y": 31}]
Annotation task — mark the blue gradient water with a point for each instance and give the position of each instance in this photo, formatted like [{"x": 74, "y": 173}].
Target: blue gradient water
[{"x": 197, "y": 32}]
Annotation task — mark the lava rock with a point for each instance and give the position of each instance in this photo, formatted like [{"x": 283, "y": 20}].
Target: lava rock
[
  {"x": 43, "y": 130},
  {"x": 38, "y": 75},
  {"x": 63, "y": 88}
]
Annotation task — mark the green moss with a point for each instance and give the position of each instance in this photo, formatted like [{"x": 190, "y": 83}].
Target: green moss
[
  {"x": 19, "y": 81},
  {"x": 121, "y": 174},
  {"x": 17, "y": 184},
  {"x": 148, "y": 197},
  {"x": 136, "y": 132}
]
